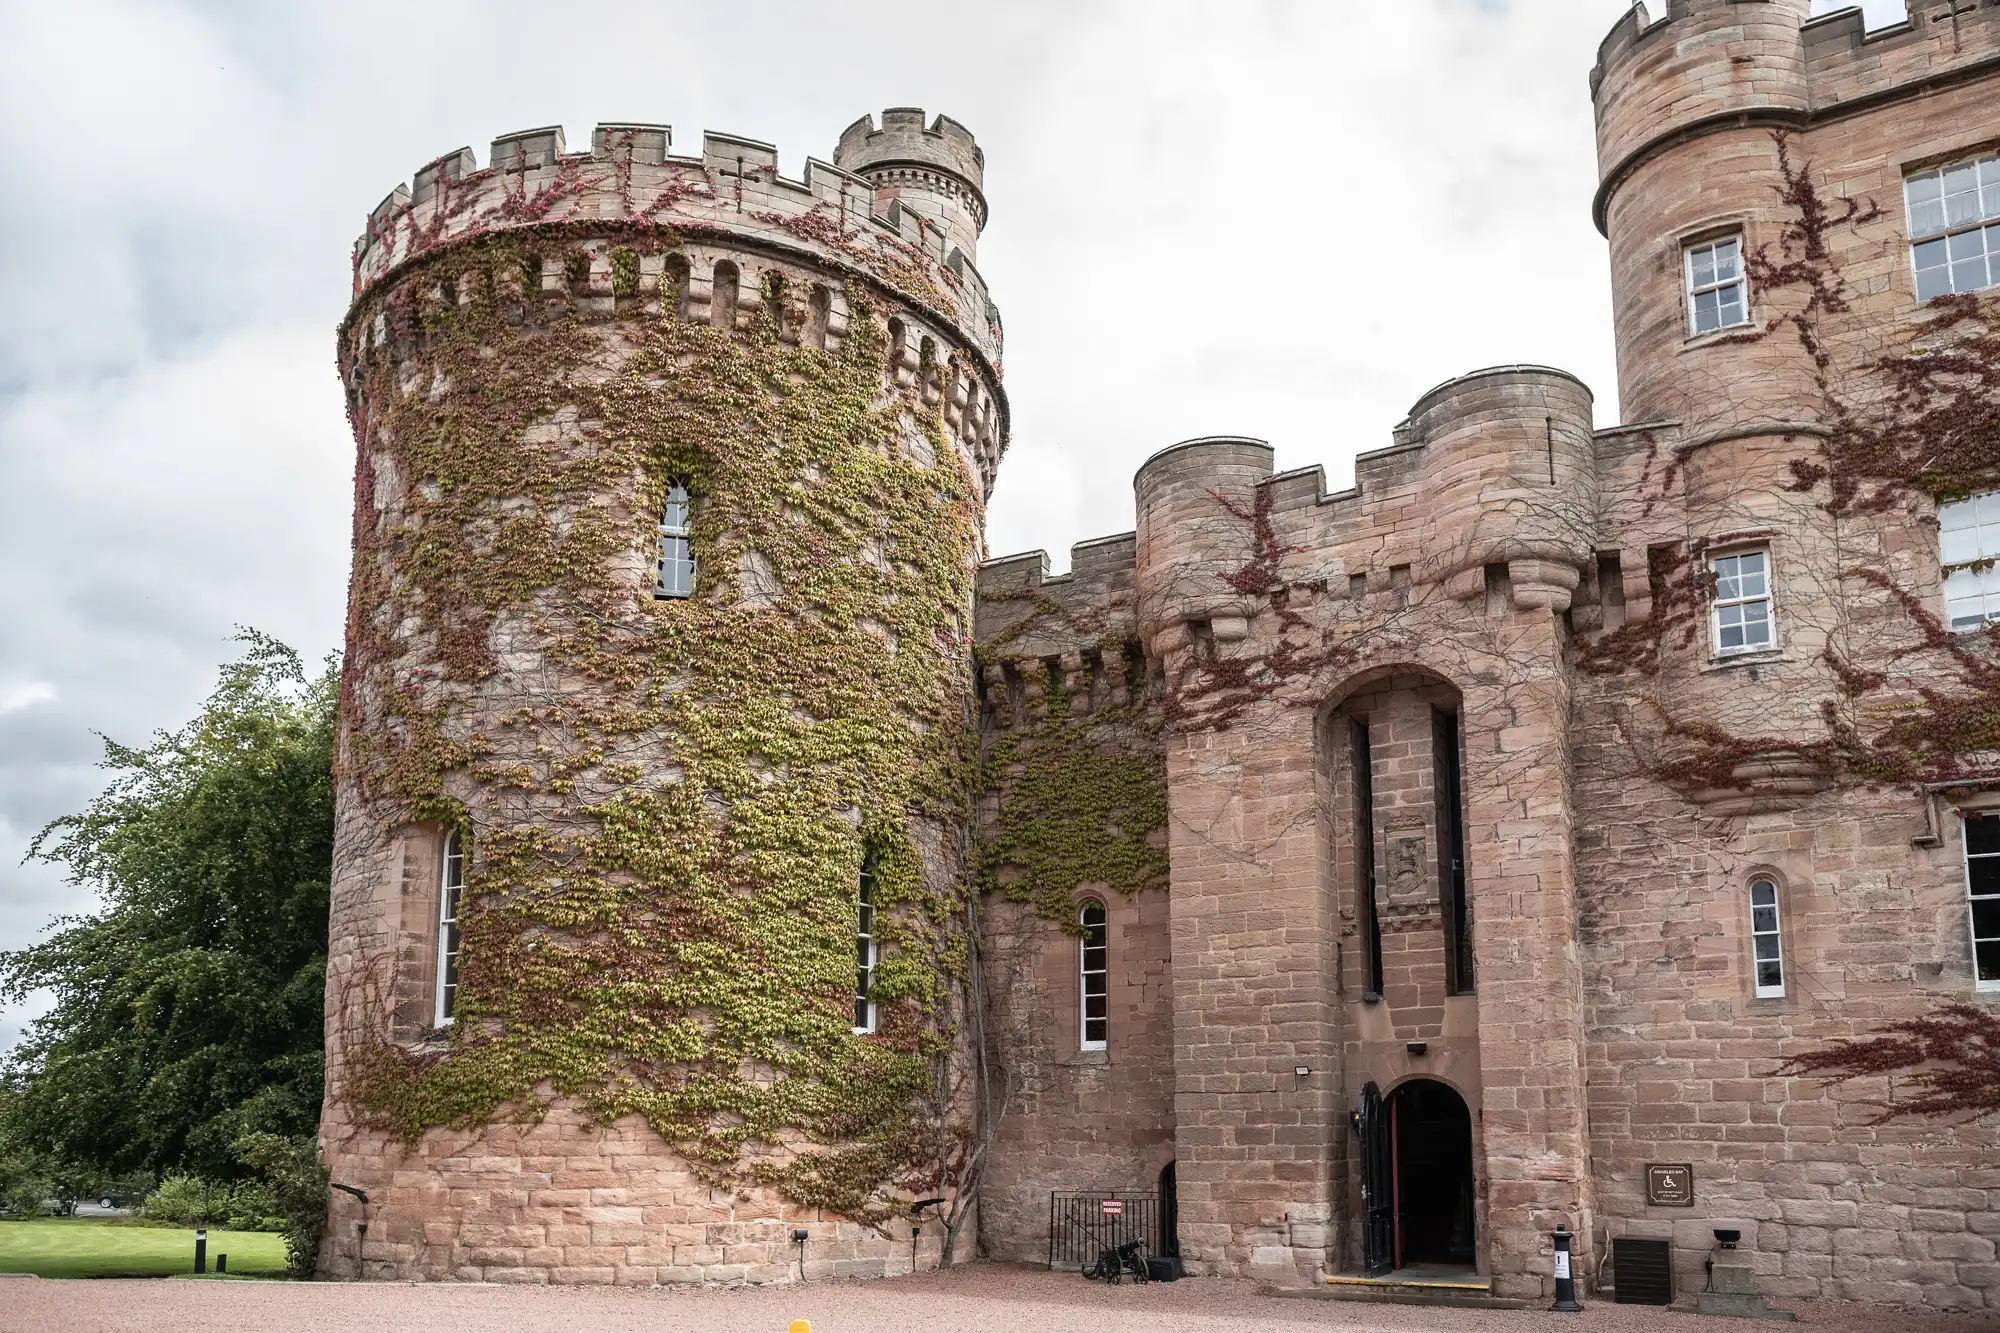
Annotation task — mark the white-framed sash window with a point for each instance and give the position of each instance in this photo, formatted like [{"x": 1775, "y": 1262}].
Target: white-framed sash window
[
  {"x": 1094, "y": 976},
  {"x": 1982, "y": 891},
  {"x": 451, "y": 887},
  {"x": 1969, "y": 551},
  {"x": 675, "y": 575},
  {"x": 866, "y": 953},
  {"x": 1767, "y": 946},
  {"x": 1954, "y": 221},
  {"x": 1741, "y": 615},
  {"x": 1718, "y": 297}
]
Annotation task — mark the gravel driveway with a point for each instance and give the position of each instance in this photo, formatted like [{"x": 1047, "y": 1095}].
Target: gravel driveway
[{"x": 985, "y": 1299}]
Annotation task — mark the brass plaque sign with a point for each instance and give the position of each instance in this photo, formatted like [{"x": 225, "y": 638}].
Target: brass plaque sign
[{"x": 1670, "y": 1185}]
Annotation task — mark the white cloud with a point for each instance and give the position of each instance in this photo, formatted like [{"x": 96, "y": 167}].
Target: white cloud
[
  {"x": 24, "y": 694},
  {"x": 1284, "y": 219}
]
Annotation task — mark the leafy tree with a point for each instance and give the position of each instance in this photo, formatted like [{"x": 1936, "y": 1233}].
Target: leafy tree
[
  {"x": 31, "y": 1180},
  {"x": 294, "y": 1179},
  {"x": 188, "y": 1010}
]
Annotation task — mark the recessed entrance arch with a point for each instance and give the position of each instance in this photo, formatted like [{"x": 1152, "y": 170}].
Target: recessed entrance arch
[{"x": 1416, "y": 1156}]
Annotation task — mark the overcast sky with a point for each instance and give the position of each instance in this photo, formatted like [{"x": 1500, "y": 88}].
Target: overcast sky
[{"x": 1261, "y": 217}]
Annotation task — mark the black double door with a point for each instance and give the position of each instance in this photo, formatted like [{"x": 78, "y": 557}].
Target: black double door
[
  {"x": 1416, "y": 1177},
  {"x": 1378, "y": 1183}
]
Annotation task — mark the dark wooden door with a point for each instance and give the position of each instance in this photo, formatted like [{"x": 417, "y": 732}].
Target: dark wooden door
[{"x": 1378, "y": 1168}]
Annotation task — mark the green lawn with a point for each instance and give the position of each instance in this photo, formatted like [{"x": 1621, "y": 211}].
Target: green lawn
[{"x": 83, "y": 1247}]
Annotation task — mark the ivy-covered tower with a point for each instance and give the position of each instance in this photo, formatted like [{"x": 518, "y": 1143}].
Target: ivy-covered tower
[{"x": 656, "y": 726}]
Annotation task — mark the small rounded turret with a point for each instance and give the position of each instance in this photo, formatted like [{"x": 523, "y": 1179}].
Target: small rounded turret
[
  {"x": 1195, "y": 501},
  {"x": 1515, "y": 478},
  {"x": 937, "y": 172}
]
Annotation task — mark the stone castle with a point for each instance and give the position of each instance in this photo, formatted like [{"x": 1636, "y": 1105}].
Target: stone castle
[{"x": 1365, "y": 881}]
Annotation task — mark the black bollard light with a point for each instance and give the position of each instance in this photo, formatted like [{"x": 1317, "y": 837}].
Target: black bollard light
[
  {"x": 201, "y": 1251},
  {"x": 1565, "y": 1282},
  {"x": 222, "y": 1263}
]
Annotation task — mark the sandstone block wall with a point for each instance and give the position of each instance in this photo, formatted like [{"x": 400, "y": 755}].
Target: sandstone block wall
[
  {"x": 1871, "y": 887},
  {"x": 1063, "y": 654},
  {"x": 1612, "y": 1022},
  {"x": 572, "y": 1201}
]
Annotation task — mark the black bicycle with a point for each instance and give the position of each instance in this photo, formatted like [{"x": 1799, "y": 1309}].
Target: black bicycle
[{"x": 1114, "y": 1265}]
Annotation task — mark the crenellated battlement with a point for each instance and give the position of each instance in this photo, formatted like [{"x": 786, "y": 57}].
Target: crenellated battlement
[
  {"x": 1023, "y": 615},
  {"x": 1641, "y": 27},
  {"x": 904, "y": 139},
  {"x": 1099, "y": 558},
  {"x": 1845, "y": 61},
  {"x": 630, "y": 177},
  {"x": 1767, "y": 64}
]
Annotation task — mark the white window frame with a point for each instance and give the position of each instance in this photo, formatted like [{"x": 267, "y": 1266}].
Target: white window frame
[
  {"x": 1717, "y": 602},
  {"x": 1763, "y": 928},
  {"x": 674, "y": 573},
  {"x": 1093, "y": 982},
  {"x": 867, "y": 952},
  {"x": 1961, "y": 240},
  {"x": 1713, "y": 247},
  {"x": 1991, "y": 983},
  {"x": 1969, "y": 536},
  {"x": 451, "y": 888}
]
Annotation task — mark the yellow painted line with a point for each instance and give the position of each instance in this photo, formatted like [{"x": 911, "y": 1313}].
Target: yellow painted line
[{"x": 1404, "y": 1282}]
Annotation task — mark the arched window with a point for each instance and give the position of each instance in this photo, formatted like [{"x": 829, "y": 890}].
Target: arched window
[
  {"x": 897, "y": 336},
  {"x": 676, "y": 571},
  {"x": 674, "y": 282},
  {"x": 722, "y": 293},
  {"x": 450, "y": 887},
  {"x": 821, "y": 307},
  {"x": 865, "y": 954},
  {"x": 774, "y": 301},
  {"x": 1766, "y": 945},
  {"x": 1094, "y": 961}
]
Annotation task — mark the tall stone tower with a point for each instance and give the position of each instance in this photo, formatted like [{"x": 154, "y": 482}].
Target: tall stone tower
[
  {"x": 652, "y": 782},
  {"x": 1711, "y": 116}
]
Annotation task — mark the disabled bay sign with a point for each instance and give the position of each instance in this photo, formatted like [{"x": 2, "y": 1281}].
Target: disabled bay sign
[{"x": 1670, "y": 1184}]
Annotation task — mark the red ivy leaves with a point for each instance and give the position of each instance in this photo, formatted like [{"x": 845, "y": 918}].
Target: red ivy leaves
[
  {"x": 1952, "y": 1057},
  {"x": 1261, "y": 574}
]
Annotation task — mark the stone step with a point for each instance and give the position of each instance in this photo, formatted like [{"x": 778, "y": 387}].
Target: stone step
[
  {"x": 1470, "y": 1291},
  {"x": 1739, "y": 1305}
]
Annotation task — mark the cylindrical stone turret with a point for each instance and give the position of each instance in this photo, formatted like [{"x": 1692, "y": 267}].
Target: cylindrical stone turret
[
  {"x": 1515, "y": 479},
  {"x": 1686, "y": 111},
  {"x": 937, "y": 172},
  {"x": 1197, "y": 502},
  {"x": 648, "y": 872}
]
